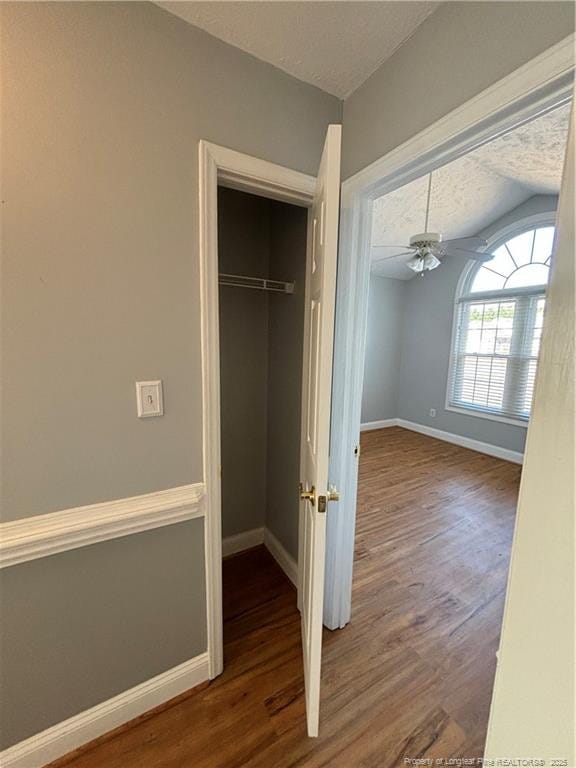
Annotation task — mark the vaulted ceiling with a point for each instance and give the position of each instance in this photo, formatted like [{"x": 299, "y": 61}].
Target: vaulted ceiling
[
  {"x": 472, "y": 192},
  {"x": 333, "y": 45}
]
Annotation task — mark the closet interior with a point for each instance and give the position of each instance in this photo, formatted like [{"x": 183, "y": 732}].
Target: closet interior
[{"x": 262, "y": 271}]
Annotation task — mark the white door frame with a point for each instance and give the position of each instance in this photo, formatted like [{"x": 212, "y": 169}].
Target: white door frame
[
  {"x": 535, "y": 88},
  {"x": 219, "y": 165}
]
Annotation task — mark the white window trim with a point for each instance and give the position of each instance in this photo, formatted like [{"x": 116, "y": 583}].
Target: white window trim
[
  {"x": 543, "y": 219},
  {"x": 485, "y": 414}
]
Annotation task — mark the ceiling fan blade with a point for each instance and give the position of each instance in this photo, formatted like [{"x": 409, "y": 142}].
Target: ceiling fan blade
[
  {"x": 392, "y": 246},
  {"x": 467, "y": 243},
  {"x": 394, "y": 256},
  {"x": 468, "y": 254}
]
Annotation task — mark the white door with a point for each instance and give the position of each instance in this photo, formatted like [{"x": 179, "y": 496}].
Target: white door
[{"x": 317, "y": 386}]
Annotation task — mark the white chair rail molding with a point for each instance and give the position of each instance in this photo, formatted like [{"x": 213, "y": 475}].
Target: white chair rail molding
[{"x": 43, "y": 535}]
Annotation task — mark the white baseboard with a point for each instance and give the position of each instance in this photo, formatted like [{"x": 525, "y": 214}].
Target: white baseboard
[
  {"x": 282, "y": 556},
  {"x": 70, "y": 734},
  {"x": 248, "y": 539},
  {"x": 465, "y": 442},
  {"x": 370, "y": 425},
  {"x": 447, "y": 437},
  {"x": 241, "y": 541}
]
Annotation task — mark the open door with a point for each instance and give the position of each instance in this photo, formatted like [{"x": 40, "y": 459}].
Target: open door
[{"x": 317, "y": 386}]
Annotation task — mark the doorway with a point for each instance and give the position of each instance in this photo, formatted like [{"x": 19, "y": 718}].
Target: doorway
[
  {"x": 220, "y": 167},
  {"x": 416, "y": 470},
  {"x": 536, "y": 89},
  {"x": 262, "y": 277}
]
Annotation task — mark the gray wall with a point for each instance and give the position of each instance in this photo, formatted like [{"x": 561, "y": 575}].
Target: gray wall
[
  {"x": 261, "y": 345},
  {"x": 461, "y": 49},
  {"x": 87, "y": 624},
  {"x": 429, "y": 312},
  {"x": 535, "y": 205},
  {"x": 244, "y": 248},
  {"x": 103, "y": 107},
  {"x": 425, "y": 315},
  {"x": 285, "y": 352},
  {"x": 383, "y": 348}
]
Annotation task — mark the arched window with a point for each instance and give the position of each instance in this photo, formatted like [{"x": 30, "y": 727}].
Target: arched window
[{"x": 498, "y": 324}]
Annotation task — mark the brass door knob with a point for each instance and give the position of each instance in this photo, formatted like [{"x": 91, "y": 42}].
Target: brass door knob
[
  {"x": 308, "y": 495},
  {"x": 333, "y": 494}
]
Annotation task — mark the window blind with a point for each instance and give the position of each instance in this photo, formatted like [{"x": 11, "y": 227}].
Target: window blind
[{"x": 496, "y": 354}]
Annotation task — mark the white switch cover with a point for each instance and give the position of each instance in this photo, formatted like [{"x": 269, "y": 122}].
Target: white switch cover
[{"x": 149, "y": 398}]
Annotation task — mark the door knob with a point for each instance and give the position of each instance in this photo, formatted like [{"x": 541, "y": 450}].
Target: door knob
[
  {"x": 308, "y": 495},
  {"x": 333, "y": 494}
]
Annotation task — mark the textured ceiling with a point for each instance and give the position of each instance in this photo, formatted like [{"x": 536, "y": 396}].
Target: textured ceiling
[
  {"x": 474, "y": 191},
  {"x": 333, "y": 45}
]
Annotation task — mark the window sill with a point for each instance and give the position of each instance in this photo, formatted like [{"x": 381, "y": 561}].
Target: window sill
[{"x": 487, "y": 415}]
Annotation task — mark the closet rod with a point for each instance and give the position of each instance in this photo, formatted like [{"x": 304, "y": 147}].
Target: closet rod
[{"x": 258, "y": 283}]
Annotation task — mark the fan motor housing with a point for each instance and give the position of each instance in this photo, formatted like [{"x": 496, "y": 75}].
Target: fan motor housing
[{"x": 426, "y": 239}]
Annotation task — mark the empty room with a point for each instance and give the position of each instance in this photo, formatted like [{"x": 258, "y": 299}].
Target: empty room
[
  {"x": 450, "y": 363},
  {"x": 287, "y": 384}
]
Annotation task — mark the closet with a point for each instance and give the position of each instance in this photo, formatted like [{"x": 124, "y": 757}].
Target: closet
[{"x": 262, "y": 270}]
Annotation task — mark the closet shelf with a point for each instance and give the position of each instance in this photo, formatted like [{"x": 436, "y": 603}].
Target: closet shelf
[{"x": 257, "y": 283}]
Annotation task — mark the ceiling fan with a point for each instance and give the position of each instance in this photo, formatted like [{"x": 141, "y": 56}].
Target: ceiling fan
[{"x": 428, "y": 248}]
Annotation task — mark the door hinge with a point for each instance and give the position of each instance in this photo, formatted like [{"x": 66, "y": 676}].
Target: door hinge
[{"x": 357, "y": 450}]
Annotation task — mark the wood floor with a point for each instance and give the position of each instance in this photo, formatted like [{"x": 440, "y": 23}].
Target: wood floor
[{"x": 411, "y": 676}]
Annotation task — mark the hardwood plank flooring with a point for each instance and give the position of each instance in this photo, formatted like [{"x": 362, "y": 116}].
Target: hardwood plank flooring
[{"x": 410, "y": 676}]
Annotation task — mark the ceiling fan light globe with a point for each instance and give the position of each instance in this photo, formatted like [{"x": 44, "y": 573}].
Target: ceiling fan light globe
[
  {"x": 429, "y": 261},
  {"x": 416, "y": 264}
]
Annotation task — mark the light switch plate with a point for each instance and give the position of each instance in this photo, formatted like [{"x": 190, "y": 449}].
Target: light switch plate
[{"x": 149, "y": 399}]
